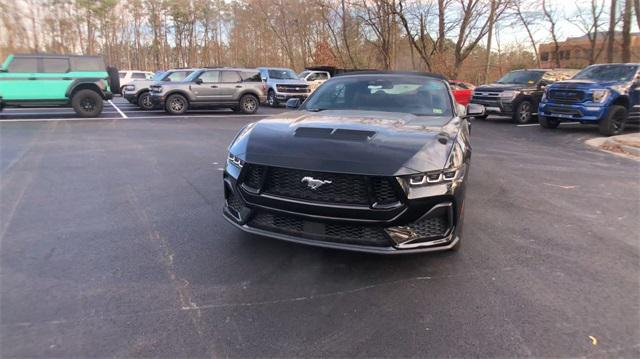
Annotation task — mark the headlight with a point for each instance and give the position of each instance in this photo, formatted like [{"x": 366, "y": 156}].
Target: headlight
[
  {"x": 130, "y": 87},
  {"x": 508, "y": 95},
  {"x": 156, "y": 88},
  {"x": 544, "y": 95},
  {"x": 235, "y": 160},
  {"x": 451, "y": 171},
  {"x": 599, "y": 95}
]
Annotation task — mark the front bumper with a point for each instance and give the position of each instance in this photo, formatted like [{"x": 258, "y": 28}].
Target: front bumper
[
  {"x": 129, "y": 95},
  {"x": 498, "y": 107},
  {"x": 284, "y": 96},
  {"x": 572, "y": 112},
  {"x": 157, "y": 99},
  {"x": 108, "y": 95},
  {"x": 426, "y": 224}
]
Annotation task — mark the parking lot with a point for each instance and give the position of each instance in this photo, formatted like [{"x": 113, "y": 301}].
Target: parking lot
[{"x": 113, "y": 245}]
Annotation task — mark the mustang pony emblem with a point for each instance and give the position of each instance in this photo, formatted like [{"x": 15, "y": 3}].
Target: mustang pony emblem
[{"x": 314, "y": 183}]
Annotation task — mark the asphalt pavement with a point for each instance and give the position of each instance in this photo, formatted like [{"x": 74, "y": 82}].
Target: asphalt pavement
[{"x": 112, "y": 244}]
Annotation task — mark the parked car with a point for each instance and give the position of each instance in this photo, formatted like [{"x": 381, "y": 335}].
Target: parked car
[
  {"x": 283, "y": 84},
  {"x": 518, "y": 93},
  {"x": 138, "y": 93},
  {"x": 81, "y": 82},
  {"x": 461, "y": 91},
  {"x": 314, "y": 78},
  {"x": 372, "y": 161},
  {"x": 239, "y": 89},
  {"x": 128, "y": 76},
  {"x": 606, "y": 94}
]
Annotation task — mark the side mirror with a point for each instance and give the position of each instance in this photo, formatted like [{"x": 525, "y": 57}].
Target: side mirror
[
  {"x": 542, "y": 84},
  {"x": 198, "y": 81},
  {"x": 293, "y": 103},
  {"x": 474, "y": 110}
]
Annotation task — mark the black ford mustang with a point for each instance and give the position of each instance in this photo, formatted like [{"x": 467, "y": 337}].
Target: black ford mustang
[{"x": 372, "y": 161}]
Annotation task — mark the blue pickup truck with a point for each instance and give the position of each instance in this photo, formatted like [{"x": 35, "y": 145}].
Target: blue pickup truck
[{"x": 606, "y": 94}]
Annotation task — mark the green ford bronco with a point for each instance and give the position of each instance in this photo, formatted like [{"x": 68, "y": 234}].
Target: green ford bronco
[{"x": 82, "y": 82}]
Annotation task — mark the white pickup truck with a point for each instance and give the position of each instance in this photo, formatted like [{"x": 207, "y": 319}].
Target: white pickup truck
[{"x": 314, "y": 78}]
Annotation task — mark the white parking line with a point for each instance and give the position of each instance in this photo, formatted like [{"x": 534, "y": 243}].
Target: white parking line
[
  {"x": 168, "y": 117},
  {"x": 529, "y": 125},
  {"x": 117, "y": 109}
]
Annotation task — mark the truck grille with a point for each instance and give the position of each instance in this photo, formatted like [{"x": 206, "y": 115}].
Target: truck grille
[
  {"x": 343, "y": 189},
  {"x": 566, "y": 95},
  {"x": 489, "y": 98},
  {"x": 293, "y": 88},
  {"x": 332, "y": 232}
]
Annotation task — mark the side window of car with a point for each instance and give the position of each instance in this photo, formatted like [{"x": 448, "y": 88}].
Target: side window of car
[
  {"x": 229, "y": 77},
  {"x": 53, "y": 65},
  {"x": 264, "y": 74},
  {"x": 210, "y": 76},
  {"x": 322, "y": 76},
  {"x": 138, "y": 75},
  {"x": 25, "y": 64},
  {"x": 312, "y": 77},
  {"x": 87, "y": 63},
  {"x": 250, "y": 76}
]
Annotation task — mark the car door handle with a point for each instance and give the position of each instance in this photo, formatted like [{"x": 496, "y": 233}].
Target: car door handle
[
  {"x": 238, "y": 87},
  {"x": 214, "y": 87},
  {"x": 32, "y": 78},
  {"x": 66, "y": 78}
]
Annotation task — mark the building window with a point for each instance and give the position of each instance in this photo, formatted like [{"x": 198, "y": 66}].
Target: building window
[{"x": 544, "y": 56}]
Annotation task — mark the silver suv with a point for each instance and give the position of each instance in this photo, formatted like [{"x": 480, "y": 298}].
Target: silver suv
[
  {"x": 239, "y": 89},
  {"x": 283, "y": 84},
  {"x": 137, "y": 92}
]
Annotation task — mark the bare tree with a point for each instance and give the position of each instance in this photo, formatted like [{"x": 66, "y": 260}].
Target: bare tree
[
  {"x": 551, "y": 16},
  {"x": 529, "y": 19},
  {"x": 492, "y": 13},
  {"x": 590, "y": 22},
  {"x": 626, "y": 31},
  {"x": 611, "y": 37}
]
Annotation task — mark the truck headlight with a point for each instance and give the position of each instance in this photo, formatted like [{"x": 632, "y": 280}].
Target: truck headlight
[
  {"x": 508, "y": 95},
  {"x": 544, "y": 95},
  {"x": 130, "y": 88},
  {"x": 599, "y": 95}
]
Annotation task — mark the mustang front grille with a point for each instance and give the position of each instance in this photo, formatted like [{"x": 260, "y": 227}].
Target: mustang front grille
[{"x": 344, "y": 189}]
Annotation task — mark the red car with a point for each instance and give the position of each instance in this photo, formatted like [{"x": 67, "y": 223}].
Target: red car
[{"x": 461, "y": 91}]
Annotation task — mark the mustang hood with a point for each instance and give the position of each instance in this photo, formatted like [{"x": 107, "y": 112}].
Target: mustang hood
[{"x": 356, "y": 142}]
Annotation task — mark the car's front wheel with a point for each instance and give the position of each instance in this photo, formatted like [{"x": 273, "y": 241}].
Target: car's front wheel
[
  {"x": 249, "y": 104},
  {"x": 87, "y": 103},
  {"x": 271, "y": 98},
  {"x": 613, "y": 123},
  {"x": 523, "y": 112},
  {"x": 547, "y": 122},
  {"x": 144, "y": 101},
  {"x": 176, "y": 104}
]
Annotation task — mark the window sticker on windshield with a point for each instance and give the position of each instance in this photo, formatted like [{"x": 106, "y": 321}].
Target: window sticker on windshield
[
  {"x": 437, "y": 110},
  {"x": 530, "y": 81}
]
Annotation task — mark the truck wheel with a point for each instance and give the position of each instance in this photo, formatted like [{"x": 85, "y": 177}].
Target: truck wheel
[
  {"x": 613, "y": 123},
  {"x": 87, "y": 103},
  {"x": 144, "y": 101},
  {"x": 271, "y": 99},
  {"x": 249, "y": 104},
  {"x": 523, "y": 112},
  {"x": 176, "y": 104},
  {"x": 547, "y": 122}
]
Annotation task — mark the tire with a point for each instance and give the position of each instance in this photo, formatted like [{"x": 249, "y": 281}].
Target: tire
[
  {"x": 144, "y": 101},
  {"x": 249, "y": 104},
  {"x": 176, "y": 104},
  {"x": 547, "y": 122},
  {"x": 87, "y": 103},
  {"x": 613, "y": 123},
  {"x": 272, "y": 100},
  {"x": 523, "y": 113},
  {"x": 114, "y": 80}
]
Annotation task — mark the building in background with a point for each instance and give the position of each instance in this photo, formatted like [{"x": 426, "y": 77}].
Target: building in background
[{"x": 575, "y": 52}]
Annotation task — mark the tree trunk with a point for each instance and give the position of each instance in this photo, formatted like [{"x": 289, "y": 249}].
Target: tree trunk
[
  {"x": 612, "y": 32},
  {"x": 626, "y": 32},
  {"x": 489, "y": 38}
]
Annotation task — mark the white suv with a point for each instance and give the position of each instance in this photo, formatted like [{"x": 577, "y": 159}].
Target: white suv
[
  {"x": 314, "y": 78},
  {"x": 128, "y": 76}
]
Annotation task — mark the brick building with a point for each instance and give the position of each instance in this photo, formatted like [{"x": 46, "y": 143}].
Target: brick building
[{"x": 575, "y": 51}]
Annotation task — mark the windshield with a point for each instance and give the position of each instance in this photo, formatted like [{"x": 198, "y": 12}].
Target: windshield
[
  {"x": 607, "y": 73},
  {"x": 192, "y": 76},
  {"x": 417, "y": 95},
  {"x": 303, "y": 74},
  {"x": 282, "y": 74},
  {"x": 521, "y": 77},
  {"x": 160, "y": 76}
]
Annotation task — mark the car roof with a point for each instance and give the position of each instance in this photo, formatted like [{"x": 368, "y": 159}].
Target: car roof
[
  {"x": 55, "y": 55},
  {"x": 406, "y": 73}
]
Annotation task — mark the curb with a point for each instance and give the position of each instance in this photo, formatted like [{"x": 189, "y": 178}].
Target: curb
[{"x": 623, "y": 145}]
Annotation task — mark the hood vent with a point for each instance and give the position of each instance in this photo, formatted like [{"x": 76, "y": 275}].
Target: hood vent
[{"x": 334, "y": 133}]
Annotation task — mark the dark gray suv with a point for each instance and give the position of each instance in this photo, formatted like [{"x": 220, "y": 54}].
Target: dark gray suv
[{"x": 239, "y": 89}]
